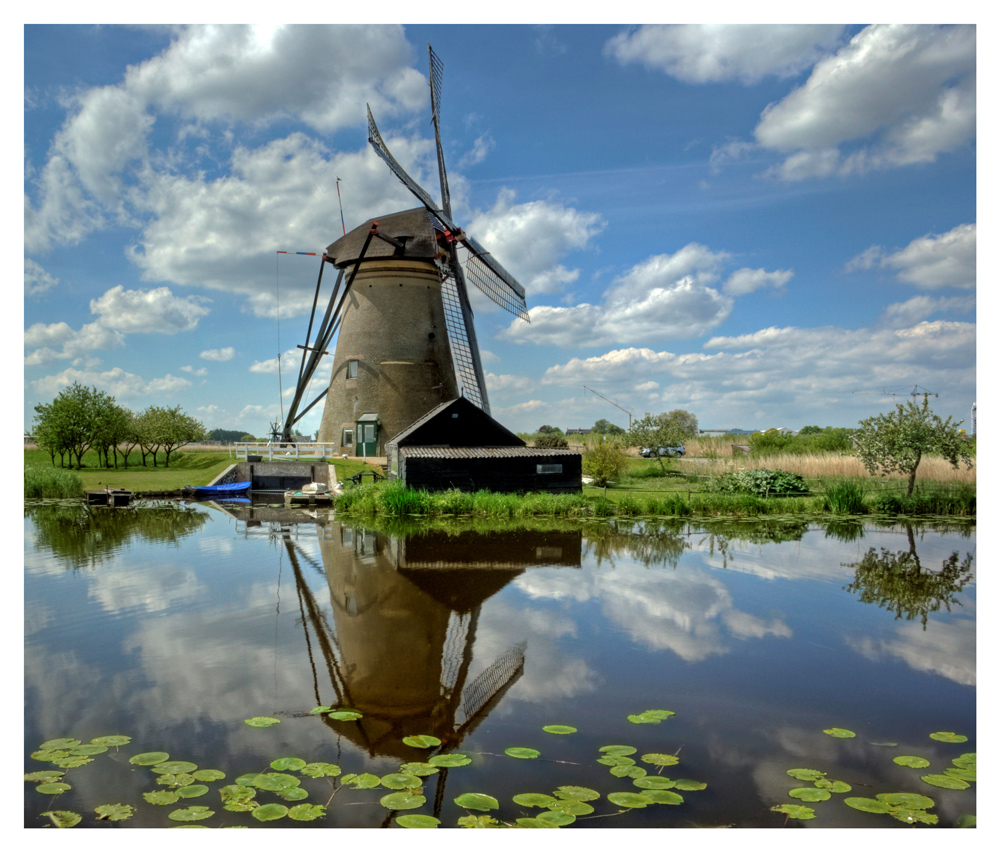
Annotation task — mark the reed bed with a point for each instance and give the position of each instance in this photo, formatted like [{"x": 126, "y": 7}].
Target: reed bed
[{"x": 834, "y": 466}]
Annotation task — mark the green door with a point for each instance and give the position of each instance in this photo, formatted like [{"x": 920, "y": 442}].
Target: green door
[{"x": 366, "y": 440}]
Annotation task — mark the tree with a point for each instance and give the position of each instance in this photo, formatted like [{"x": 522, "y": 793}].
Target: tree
[
  {"x": 686, "y": 422},
  {"x": 810, "y": 430},
  {"x": 604, "y": 427},
  {"x": 605, "y": 460},
  {"x": 549, "y": 430},
  {"x": 67, "y": 424},
  {"x": 551, "y": 441},
  {"x": 167, "y": 429},
  {"x": 658, "y": 430},
  {"x": 897, "y": 441}
]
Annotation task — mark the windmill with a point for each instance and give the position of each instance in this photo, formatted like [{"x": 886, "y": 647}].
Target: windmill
[{"x": 406, "y": 339}]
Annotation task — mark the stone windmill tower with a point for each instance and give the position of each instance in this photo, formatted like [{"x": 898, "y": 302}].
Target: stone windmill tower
[{"x": 406, "y": 340}]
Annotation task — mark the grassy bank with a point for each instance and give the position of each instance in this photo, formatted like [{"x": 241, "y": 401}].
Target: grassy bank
[{"x": 392, "y": 500}]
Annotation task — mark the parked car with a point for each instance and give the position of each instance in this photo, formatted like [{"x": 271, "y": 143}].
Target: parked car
[{"x": 672, "y": 452}]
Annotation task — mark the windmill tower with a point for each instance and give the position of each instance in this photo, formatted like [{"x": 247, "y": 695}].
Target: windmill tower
[{"x": 407, "y": 340}]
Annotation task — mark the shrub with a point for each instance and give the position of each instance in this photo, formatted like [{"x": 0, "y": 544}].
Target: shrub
[
  {"x": 551, "y": 442},
  {"x": 604, "y": 461},
  {"x": 761, "y": 483}
]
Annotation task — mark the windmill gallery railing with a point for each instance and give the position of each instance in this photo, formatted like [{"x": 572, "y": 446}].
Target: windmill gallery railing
[{"x": 285, "y": 451}]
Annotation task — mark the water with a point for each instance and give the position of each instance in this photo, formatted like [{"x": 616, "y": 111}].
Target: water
[{"x": 174, "y": 625}]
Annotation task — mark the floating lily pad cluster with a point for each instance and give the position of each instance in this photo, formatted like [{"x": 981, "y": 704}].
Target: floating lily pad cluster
[{"x": 908, "y": 807}]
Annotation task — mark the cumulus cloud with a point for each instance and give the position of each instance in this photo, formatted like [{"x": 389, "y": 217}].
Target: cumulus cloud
[
  {"x": 919, "y": 308},
  {"x": 117, "y": 382},
  {"x": 929, "y": 262},
  {"x": 530, "y": 239},
  {"x": 712, "y": 53},
  {"x": 36, "y": 279},
  {"x": 901, "y": 94},
  {"x": 224, "y": 354},
  {"x": 132, "y": 311},
  {"x": 665, "y": 296}
]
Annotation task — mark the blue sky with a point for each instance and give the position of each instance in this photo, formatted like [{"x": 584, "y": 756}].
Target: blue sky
[{"x": 764, "y": 225}]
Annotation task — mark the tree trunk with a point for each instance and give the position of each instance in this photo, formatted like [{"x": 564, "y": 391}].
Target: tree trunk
[{"x": 913, "y": 477}]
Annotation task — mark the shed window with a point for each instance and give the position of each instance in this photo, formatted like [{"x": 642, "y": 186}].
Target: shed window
[
  {"x": 548, "y": 468},
  {"x": 352, "y": 369},
  {"x": 348, "y": 439}
]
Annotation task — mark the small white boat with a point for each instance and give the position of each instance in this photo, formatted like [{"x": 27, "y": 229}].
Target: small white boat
[{"x": 311, "y": 494}]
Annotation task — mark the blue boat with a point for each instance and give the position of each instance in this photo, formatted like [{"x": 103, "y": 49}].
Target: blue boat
[{"x": 218, "y": 490}]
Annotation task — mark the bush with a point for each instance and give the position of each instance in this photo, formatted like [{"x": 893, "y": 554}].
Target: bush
[
  {"x": 551, "y": 442},
  {"x": 761, "y": 483},
  {"x": 604, "y": 461}
]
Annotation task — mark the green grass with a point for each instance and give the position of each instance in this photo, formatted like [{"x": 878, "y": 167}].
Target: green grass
[{"x": 51, "y": 482}]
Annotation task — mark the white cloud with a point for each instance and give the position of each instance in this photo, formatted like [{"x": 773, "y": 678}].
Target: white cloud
[
  {"x": 929, "y": 262},
  {"x": 132, "y": 311},
  {"x": 711, "y": 53},
  {"x": 194, "y": 372},
  {"x": 744, "y": 281},
  {"x": 36, "y": 279},
  {"x": 920, "y": 308},
  {"x": 74, "y": 343},
  {"x": 904, "y": 93},
  {"x": 224, "y": 354},
  {"x": 289, "y": 361},
  {"x": 117, "y": 382},
  {"x": 530, "y": 239}
]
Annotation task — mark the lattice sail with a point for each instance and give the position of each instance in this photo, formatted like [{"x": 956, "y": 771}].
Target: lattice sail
[{"x": 458, "y": 337}]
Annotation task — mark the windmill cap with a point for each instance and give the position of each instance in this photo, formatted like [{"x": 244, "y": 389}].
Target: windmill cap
[{"x": 415, "y": 228}]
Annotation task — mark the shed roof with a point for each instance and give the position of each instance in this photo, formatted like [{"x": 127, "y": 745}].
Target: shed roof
[
  {"x": 457, "y": 423},
  {"x": 484, "y": 452}
]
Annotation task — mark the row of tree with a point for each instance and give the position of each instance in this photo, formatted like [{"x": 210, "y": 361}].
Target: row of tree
[{"x": 81, "y": 419}]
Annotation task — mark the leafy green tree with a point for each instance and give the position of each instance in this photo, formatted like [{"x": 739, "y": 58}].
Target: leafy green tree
[
  {"x": 810, "y": 430},
  {"x": 549, "y": 430},
  {"x": 67, "y": 424},
  {"x": 605, "y": 427},
  {"x": 686, "y": 422},
  {"x": 897, "y": 441},
  {"x": 605, "y": 460},
  {"x": 550, "y": 441},
  {"x": 658, "y": 430},
  {"x": 166, "y": 429}
]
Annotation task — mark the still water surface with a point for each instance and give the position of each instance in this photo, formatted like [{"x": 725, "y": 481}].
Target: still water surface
[{"x": 174, "y": 624}]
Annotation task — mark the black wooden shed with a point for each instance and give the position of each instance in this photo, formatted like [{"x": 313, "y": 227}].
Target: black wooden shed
[{"x": 458, "y": 445}]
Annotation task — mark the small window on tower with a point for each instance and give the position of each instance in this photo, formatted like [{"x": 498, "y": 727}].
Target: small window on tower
[
  {"x": 348, "y": 439},
  {"x": 352, "y": 369}
]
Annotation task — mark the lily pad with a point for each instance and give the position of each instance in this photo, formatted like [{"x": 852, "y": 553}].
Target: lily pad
[
  {"x": 401, "y": 781},
  {"x": 284, "y": 764},
  {"x": 840, "y": 733},
  {"x": 870, "y": 806},
  {"x": 261, "y": 721},
  {"x": 522, "y": 753},
  {"x": 149, "y": 758},
  {"x": 948, "y": 737},
  {"x": 306, "y": 813},
  {"x": 269, "y": 812},
  {"x": 658, "y": 714},
  {"x": 664, "y": 797},
  {"x": 617, "y": 749},
  {"x": 628, "y": 771},
  {"x": 209, "y": 775},
  {"x": 88, "y": 750},
  {"x": 559, "y": 729},
  {"x": 958, "y": 772},
  {"x": 275, "y": 782},
  {"x": 160, "y": 797},
  {"x": 833, "y": 786},
  {"x": 316, "y": 711},
  {"x": 809, "y": 794},
  {"x": 345, "y": 715},
  {"x": 418, "y": 821},
  {"x": 73, "y": 761},
  {"x": 182, "y": 779},
  {"x": 522, "y": 822},
  {"x": 367, "y": 781},
  {"x": 115, "y": 813},
  {"x": 402, "y": 801},
  {"x": 321, "y": 770},
  {"x": 419, "y": 769},
  {"x": 577, "y": 794},
  {"x": 477, "y": 802},
  {"x": 238, "y": 792},
  {"x": 192, "y": 791},
  {"x": 912, "y": 815},
  {"x": 966, "y": 821},
  {"x": 914, "y": 801},
  {"x": 795, "y": 811},
  {"x": 650, "y": 717},
  {"x": 449, "y": 760},
  {"x": 948, "y": 782},
  {"x": 911, "y": 760},
  {"x": 654, "y": 782},
  {"x": 53, "y": 788},
  {"x": 534, "y": 800},
  {"x": 557, "y": 818},
  {"x": 571, "y": 806},
  {"x": 422, "y": 741},
  {"x": 805, "y": 774},
  {"x": 61, "y": 743},
  {"x": 191, "y": 814},
  {"x": 483, "y": 821},
  {"x": 615, "y": 760},
  {"x": 63, "y": 819},
  {"x": 967, "y": 761},
  {"x": 44, "y": 775},
  {"x": 294, "y": 794},
  {"x": 689, "y": 784},
  {"x": 661, "y": 759},
  {"x": 629, "y": 800},
  {"x": 175, "y": 767}
]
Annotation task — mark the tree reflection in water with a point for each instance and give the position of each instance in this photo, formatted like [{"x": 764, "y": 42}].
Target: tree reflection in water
[
  {"x": 84, "y": 535},
  {"x": 898, "y": 582}
]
